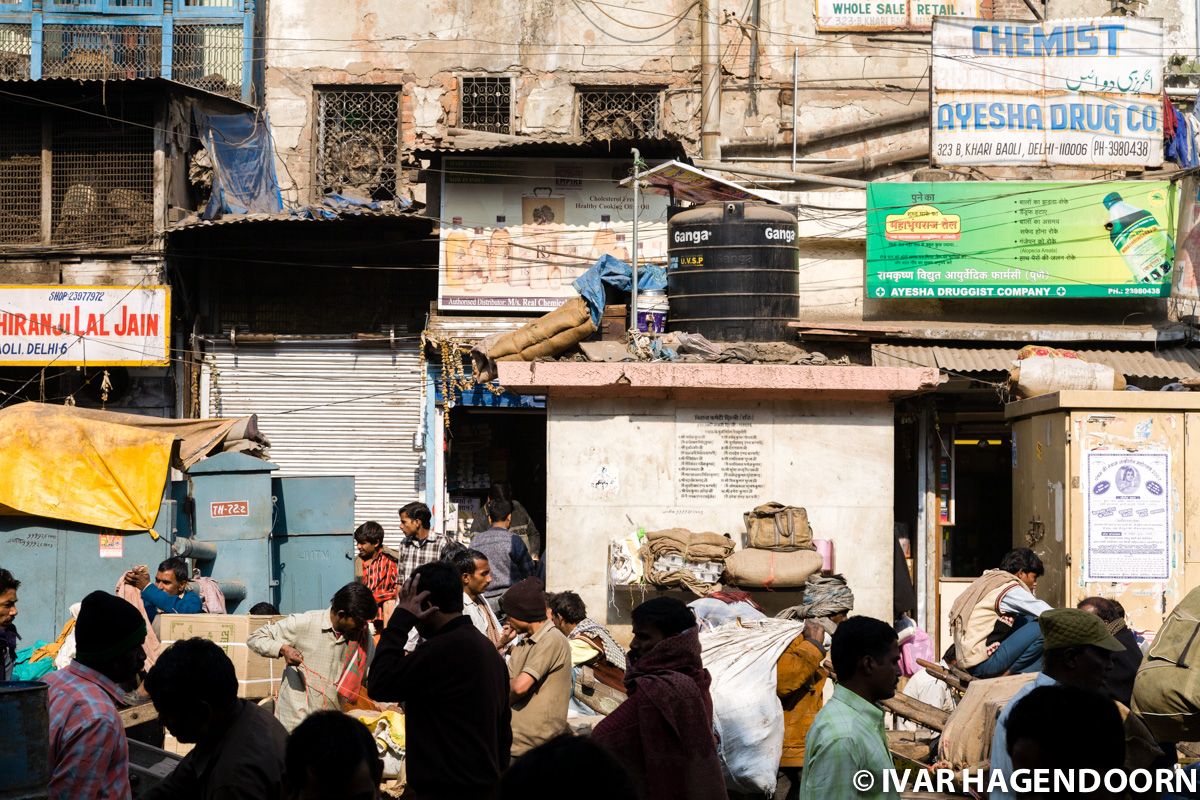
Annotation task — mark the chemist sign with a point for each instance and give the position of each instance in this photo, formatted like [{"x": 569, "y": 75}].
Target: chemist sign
[
  {"x": 993, "y": 240},
  {"x": 877, "y": 15},
  {"x": 1086, "y": 92},
  {"x": 77, "y": 326}
]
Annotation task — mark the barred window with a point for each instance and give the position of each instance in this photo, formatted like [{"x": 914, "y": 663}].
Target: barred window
[
  {"x": 16, "y": 47},
  {"x": 102, "y": 178},
  {"x": 20, "y": 178},
  {"x": 358, "y": 137},
  {"x": 209, "y": 57},
  {"x": 485, "y": 104},
  {"x": 618, "y": 112},
  {"x": 101, "y": 51}
]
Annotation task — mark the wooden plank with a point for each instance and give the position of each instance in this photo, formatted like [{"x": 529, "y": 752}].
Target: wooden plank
[
  {"x": 941, "y": 674},
  {"x": 920, "y": 713},
  {"x": 136, "y": 715}
]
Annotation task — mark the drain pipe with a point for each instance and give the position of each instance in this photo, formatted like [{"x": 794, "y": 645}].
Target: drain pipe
[
  {"x": 637, "y": 212},
  {"x": 710, "y": 82},
  {"x": 795, "y": 91},
  {"x": 790, "y": 177}
]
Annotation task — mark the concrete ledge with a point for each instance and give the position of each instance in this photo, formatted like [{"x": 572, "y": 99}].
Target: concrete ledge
[{"x": 664, "y": 379}]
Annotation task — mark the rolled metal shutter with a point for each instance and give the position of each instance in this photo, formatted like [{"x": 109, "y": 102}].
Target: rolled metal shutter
[{"x": 332, "y": 409}]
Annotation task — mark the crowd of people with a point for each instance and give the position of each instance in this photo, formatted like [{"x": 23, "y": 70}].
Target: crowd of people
[{"x": 489, "y": 668}]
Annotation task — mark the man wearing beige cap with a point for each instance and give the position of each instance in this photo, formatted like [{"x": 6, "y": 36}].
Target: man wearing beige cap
[{"x": 1078, "y": 651}]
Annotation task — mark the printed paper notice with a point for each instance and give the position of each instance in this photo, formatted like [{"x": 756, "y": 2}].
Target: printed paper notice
[
  {"x": 721, "y": 456},
  {"x": 112, "y": 545},
  {"x": 1128, "y": 516}
]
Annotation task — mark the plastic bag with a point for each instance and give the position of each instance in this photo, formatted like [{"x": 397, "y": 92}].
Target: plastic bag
[{"x": 746, "y": 711}]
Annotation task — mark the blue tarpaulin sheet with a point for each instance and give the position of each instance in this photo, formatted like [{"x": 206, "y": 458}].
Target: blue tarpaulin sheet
[
  {"x": 619, "y": 275},
  {"x": 243, "y": 162}
]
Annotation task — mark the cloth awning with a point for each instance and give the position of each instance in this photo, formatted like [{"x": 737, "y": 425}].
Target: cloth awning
[
  {"x": 695, "y": 185},
  {"x": 1176, "y": 363}
]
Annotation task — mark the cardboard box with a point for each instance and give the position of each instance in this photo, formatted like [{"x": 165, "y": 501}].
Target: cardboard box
[{"x": 257, "y": 676}]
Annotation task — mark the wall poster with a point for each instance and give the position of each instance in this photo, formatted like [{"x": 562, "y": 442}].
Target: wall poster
[
  {"x": 516, "y": 233},
  {"x": 1127, "y": 515}
]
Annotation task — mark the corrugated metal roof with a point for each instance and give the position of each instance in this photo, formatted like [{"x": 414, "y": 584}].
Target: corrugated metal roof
[
  {"x": 244, "y": 219},
  {"x": 145, "y": 80},
  {"x": 473, "y": 328},
  {"x": 1173, "y": 363}
]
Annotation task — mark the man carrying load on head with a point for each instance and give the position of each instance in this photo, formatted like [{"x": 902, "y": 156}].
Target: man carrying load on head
[{"x": 994, "y": 620}]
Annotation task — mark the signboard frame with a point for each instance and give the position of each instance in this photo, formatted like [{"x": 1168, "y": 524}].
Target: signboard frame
[{"x": 72, "y": 326}]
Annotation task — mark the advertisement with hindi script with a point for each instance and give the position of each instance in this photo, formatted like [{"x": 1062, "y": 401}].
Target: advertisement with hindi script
[
  {"x": 1067, "y": 91},
  {"x": 516, "y": 233},
  {"x": 85, "y": 326},
  {"x": 1022, "y": 239}
]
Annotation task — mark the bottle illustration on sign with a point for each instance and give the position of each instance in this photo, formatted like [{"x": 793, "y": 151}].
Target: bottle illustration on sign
[
  {"x": 605, "y": 240},
  {"x": 499, "y": 249},
  {"x": 1140, "y": 239},
  {"x": 457, "y": 246},
  {"x": 476, "y": 273}
]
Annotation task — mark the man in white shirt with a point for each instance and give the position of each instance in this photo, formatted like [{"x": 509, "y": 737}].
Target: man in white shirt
[
  {"x": 930, "y": 690},
  {"x": 476, "y": 574},
  {"x": 1001, "y": 596}
]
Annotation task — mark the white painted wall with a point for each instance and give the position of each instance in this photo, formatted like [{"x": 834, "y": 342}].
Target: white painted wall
[{"x": 835, "y": 459}]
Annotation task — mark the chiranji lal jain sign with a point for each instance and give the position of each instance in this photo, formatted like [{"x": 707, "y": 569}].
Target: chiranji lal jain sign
[
  {"x": 84, "y": 325},
  {"x": 1072, "y": 91}
]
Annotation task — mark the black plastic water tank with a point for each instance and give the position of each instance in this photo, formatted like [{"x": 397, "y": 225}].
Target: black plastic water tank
[{"x": 733, "y": 272}]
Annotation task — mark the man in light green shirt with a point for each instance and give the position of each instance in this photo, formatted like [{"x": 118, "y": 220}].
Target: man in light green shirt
[{"x": 846, "y": 752}]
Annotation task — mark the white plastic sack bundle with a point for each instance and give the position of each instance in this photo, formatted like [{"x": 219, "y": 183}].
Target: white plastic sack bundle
[{"x": 746, "y": 710}]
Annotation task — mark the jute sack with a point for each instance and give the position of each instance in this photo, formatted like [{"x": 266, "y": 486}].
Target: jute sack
[
  {"x": 967, "y": 740},
  {"x": 774, "y": 526},
  {"x": 768, "y": 569},
  {"x": 1166, "y": 691}
]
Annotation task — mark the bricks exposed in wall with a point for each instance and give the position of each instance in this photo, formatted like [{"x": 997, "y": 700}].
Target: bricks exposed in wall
[{"x": 1012, "y": 9}]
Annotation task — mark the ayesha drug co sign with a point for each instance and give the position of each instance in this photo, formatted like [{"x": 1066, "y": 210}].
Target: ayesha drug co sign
[{"x": 1078, "y": 91}]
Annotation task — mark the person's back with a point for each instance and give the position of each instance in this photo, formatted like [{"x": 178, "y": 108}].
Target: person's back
[
  {"x": 663, "y": 734},
  {"x": 454, "y": 687},
  {"x": 506, "y": 553},
  {"x": 89, "y": 754},
  {"x": 239, "y": 746}
]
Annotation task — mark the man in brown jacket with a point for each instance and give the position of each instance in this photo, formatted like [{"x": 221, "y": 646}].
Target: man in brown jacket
[{"x": 800, "y": 685}]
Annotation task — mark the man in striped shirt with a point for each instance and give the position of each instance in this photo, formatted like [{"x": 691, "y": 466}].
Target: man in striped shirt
[{"x": 89, "y": 754}]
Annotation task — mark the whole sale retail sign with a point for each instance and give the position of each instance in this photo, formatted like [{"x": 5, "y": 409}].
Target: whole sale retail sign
[
  {"x": 1004, "y": 240},
  {"x": 1086, "y": 92},
  {"x": 79, "y": 326}
]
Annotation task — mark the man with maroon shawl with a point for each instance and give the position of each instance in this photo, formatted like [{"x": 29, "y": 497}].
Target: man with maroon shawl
[{"x": 663, "y": 734}]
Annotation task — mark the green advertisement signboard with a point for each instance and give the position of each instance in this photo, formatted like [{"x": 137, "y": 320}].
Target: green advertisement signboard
[{"x": 998, "y": 240}]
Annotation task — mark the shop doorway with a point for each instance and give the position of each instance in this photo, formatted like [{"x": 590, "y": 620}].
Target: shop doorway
[{"x": 495, "y": 445}]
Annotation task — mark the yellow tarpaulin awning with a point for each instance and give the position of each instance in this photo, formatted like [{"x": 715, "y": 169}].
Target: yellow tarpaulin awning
[{"x": 97, "y": 467}]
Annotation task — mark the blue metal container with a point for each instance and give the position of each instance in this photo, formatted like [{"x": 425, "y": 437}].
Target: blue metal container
[
  {"x": 24, "y": 740},
  {"x": 313, "y": 543}
]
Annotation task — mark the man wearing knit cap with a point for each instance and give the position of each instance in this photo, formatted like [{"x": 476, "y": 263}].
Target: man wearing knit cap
[
  {"x": 1078, "y": 652},
  {"x": 539, "y": 667},
  {"x": 89, "y": 754}
]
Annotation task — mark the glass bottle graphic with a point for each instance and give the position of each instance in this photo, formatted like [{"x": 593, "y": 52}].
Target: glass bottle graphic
[
  {"x": 605, "y": 240},
  {"x": 499, "y": 249},
  {"x": 476, "y": 273},
  {"x": 457, "y": 245},
  {"x": 1139, "y": 238}
]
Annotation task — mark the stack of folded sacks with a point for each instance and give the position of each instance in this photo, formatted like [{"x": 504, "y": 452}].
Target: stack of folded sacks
[{"x": 679, "y": 557}]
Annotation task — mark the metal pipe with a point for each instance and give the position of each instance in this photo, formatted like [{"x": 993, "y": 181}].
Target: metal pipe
[
  {"x": 190, "y": 548},
  {"x": 868, "y": 163},
  {"x": 234, "y": 591},
  {"x": 793, "y": 177},
  {"x": 848, "y": 129},
  {"x": 637, "y": 212},
  {"x": 755, "y": 15},
  {"x": 710, "y": 81},
  {"x": 795, "y": 107}
]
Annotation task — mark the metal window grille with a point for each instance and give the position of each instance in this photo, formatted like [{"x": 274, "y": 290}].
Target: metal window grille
[
  {"x": 101, "y": 51},
  {"x": 209, "y": 57},
  {"x": 20, "y": 178},
  {"x": 358, "y": 133},
  {"x": 102, "y": 178},
  {"x": 486, "y": 104},
  {"x": 618, "y": 113},
  {"x": 212, "y": 3},
  {"x": 16, "y": 47}
]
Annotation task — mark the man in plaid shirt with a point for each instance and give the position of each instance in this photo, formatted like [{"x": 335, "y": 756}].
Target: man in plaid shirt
[
  {"x": 420, "y": 545},
  {"x": 89, "y": 754}
]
